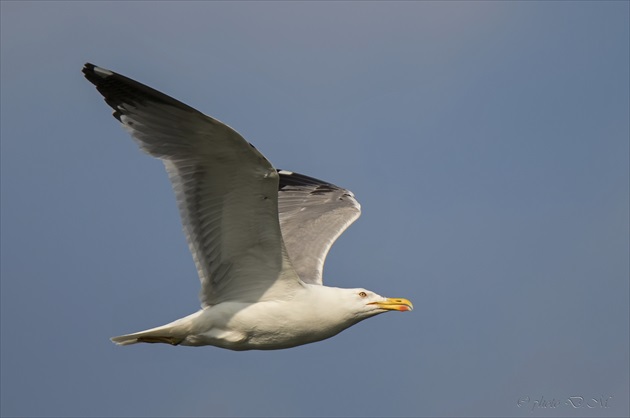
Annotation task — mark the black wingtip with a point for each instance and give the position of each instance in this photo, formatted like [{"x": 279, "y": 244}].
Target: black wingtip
[
  {"x": 119, "y": 90},
  {"x": 88, "y": 68},
  {"x": 94, "y": 74},
  {"x": 290, "y": 178}
]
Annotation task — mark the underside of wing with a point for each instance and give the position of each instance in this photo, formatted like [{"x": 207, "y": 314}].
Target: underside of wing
[
  {"x": 313, "y": 214},
  {"x": 226, "y": 190}
]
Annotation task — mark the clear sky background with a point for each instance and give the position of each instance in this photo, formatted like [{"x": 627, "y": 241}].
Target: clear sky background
[{"x": 488, "y": 143}]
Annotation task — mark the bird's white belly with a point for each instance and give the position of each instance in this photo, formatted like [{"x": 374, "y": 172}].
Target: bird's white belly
[{"x": 260, "y": 326}]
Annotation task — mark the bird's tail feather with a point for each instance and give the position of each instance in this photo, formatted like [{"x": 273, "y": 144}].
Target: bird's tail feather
[
  {"x": 141, "y": 337},
  {"x": 173, "y": 333}
]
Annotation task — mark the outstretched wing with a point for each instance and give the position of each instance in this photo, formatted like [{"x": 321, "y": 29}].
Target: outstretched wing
[
  {"x": 226, "y": 191},
  {"x": 313, "y": 214}
]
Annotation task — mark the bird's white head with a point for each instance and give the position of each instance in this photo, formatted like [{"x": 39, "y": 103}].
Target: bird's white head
[
  {"x": 359, "y": 304},
  {"x": 340, "y": 308},
  {"x": 326, "y": 311}
]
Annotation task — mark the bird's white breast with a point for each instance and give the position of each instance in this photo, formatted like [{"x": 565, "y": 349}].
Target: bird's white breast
[{"x": 267, "y": 325}]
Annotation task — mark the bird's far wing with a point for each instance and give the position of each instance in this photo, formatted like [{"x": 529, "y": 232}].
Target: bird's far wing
[
  {"x": 226, "y": 190},
  {"x": 313, "y": 214}
]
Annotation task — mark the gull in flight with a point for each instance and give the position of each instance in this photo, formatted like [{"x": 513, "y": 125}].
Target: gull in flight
[{"x": 258, "y": 235}]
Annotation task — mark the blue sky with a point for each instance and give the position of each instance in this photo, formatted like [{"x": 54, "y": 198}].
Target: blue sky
[{"x": 487, "y": 142}]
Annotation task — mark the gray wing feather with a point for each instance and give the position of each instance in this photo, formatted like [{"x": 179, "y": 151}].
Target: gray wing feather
[
  {"x": 226, "y": 191},
  {"x": 313, "y": 214}
]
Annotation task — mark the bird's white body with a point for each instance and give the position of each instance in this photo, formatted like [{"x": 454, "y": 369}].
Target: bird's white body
[
  {"x": 258, "y": 235},
  {"x": 313, "y": 314}
]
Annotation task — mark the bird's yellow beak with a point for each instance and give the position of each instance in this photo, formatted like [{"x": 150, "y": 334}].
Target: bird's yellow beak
[{"x": 394, "y": 304}]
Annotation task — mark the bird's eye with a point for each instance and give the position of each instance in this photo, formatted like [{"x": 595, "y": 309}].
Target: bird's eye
[{"x": 362, "y": 294}]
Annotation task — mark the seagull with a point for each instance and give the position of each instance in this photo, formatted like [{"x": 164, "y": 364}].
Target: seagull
[{"x": 258, "y": 235}]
